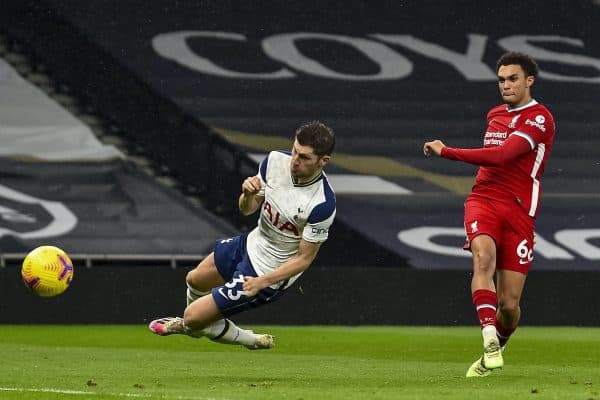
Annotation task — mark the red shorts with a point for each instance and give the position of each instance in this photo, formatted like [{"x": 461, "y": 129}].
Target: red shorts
[{"x": 510, "y": 227}]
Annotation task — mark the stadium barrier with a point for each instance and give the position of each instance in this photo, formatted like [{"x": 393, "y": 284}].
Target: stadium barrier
[
  {"x": 112, "y": 294},
  {"x": 125, "y": 260}
]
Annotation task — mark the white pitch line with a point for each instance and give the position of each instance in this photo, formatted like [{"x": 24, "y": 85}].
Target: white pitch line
[
  {"x": 85, "y": 393},
  {"x": 67, "y": 391}
]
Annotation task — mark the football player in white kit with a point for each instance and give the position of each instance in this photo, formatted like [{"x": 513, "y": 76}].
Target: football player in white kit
[{"x": 297, "y": 207}]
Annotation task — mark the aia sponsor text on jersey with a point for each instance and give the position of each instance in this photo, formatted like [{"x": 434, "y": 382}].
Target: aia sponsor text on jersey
[{"x": 277, "y": 221}]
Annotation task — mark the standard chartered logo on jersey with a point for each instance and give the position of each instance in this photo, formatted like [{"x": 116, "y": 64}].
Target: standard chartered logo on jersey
[{"x": 15, "y": 209}]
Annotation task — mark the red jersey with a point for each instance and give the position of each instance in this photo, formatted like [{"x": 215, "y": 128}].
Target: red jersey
[{"x": 516, "y": 145}]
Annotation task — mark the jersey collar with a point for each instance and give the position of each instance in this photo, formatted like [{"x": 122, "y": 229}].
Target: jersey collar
[
  {"x": 530, "y": 103},
  {"x": 315, "y": 179}
]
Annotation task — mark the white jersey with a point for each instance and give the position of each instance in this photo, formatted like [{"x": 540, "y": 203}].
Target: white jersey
[{"x": 288, "y": 213}]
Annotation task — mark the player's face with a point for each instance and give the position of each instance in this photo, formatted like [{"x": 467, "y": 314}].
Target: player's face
[
  {"x": 305, "y": 164},
  {"x": 514, "y": 85}
]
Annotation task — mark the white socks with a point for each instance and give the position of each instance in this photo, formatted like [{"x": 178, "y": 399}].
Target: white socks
[
  {"x": 193, "y": 294},
  {"x": 225, "y": 331},
  {"x": 488, "y": 332},
  {"x": 222, "y": 331}
]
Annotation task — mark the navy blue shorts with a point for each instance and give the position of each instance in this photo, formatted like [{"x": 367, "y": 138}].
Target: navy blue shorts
[{"x": 233, "y": 263}]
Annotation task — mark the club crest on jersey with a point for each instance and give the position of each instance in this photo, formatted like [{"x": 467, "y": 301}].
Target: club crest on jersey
[
  {"x": 513, "y": 123},
  {"x": 276, "y": 220},
  {"x": 474, "y": 227},
  {"x": 297, "y": 216}
]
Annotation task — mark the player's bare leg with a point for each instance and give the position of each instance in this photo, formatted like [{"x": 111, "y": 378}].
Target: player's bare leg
[
  {"x": 483, "y": 249},
  {"x": 483, "y": 291},
  {"x": 199, "y": 282},
  {"x": 202, "y": 279},
  {"x": 202, "y": 317},
  {"x": 510, "y": 288}
]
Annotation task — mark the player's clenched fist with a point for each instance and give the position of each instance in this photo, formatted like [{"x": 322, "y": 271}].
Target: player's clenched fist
[
  {"x": 252, "y": 285},
  {"x": 251, "y": 185},
  {"x": 434, "y": 147}
]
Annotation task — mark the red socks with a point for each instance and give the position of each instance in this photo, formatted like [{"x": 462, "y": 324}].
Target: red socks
[
  {"x": 485, "y": 304},
  {"x": 503, "y": 333}
]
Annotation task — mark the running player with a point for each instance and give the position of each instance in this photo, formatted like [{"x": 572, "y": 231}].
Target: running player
[
  {"x": 297, "y": 207},
  {"x": 500, "y": 212}
]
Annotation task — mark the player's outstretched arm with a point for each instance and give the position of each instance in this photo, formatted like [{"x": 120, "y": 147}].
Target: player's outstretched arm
[
  {"x": 513, "y": 147},
  {"x": 307, "y": 251}
]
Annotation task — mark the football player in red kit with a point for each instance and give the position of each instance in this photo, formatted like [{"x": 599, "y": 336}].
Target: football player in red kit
[{"x": 500, "y": 212}]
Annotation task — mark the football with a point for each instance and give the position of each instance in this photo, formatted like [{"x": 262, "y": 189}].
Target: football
[{"x": 47, "y": 271}]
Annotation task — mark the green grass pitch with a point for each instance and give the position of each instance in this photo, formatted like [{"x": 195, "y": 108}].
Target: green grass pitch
[{"x": 128, "y": 362}]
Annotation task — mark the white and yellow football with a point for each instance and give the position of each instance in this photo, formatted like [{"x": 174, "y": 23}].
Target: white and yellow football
[{"x": 47, "y": 271}]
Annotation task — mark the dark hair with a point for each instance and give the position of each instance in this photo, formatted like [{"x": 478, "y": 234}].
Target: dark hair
[
  {"x": 517, "y": 58},
  {"x": 318, "y": 136}
]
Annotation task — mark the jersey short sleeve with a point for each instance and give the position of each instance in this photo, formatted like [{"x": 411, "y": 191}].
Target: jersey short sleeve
[
  {"x": 535, "y": 126},
  {"x": 321, "y": 217},
  {"x": 319, "y": 231}
]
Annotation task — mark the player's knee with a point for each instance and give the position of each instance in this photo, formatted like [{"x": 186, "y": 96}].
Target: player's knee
[
  {"x": 189, "y": 278},
  {"x": 191, "y": 320},
  {"x": 194, "y": 280},
  {"x": 509, "y": 308},
  {"x": 484, "y": 260}
]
